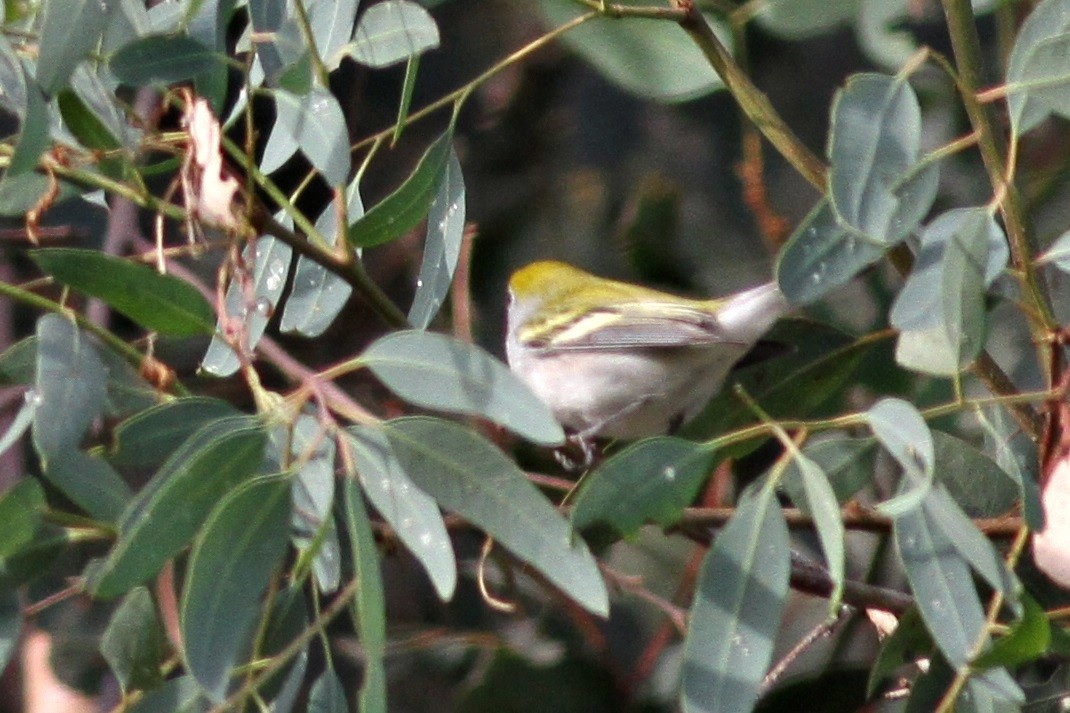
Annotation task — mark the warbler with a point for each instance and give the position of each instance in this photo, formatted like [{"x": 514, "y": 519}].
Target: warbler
[{"x": 616, "y": 360}]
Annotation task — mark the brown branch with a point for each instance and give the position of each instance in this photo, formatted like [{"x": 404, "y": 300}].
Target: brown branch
[{"x": 854, "y": 518}]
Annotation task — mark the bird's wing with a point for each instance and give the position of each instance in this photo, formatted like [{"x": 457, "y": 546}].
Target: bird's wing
[{"x": 631, "y": 325}]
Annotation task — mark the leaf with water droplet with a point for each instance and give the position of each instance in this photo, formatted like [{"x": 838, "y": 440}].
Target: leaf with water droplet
[
  {"x": 650, "y": 481},
  {"x": 268, "y": 258},
  {"x": 737, "y": 608},
  {"x": 442, "y": 246},
  {"x": 409, "y": 510}
]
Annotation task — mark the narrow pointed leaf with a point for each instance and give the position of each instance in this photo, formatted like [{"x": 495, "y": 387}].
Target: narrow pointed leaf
[
  {"x": 163, "y": 59},
  {"x": 403, "y": 209},
  {"x": 469, "y": 476},
  {"x": 70, "y": 385},
  {"x": 327, "y": 695},
  {"x": 269, "y": 260},
  {"x": 162, "y": 303},
  {"x": 232, "y": 560},
  {"x": 941, "y": 582},
  {"x": 819, "y": 501},
  {"x": 410, "y": 511},
  {"x": 150, "y": 436},
  {"x": 369, "y": 604},
  {"x": 736, "y": 613},
  {"x": 440, "y": 372},
  {"x": 318, "y": 295},
  {"x": 442, "y": 247},
  {"x": 171, "y": 507},
  {"x": 312, "y": 456}
]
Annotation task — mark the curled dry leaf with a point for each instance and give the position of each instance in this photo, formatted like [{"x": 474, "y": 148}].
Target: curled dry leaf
[
  {"x": 1051, "y": 546},
  {"x": 208, "y": 186}
]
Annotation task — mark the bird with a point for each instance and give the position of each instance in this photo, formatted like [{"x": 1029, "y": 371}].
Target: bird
[{"x": 614, "y": 360}]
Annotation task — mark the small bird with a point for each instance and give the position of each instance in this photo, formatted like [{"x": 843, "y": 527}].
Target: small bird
[{"x": 616, "y": 360}]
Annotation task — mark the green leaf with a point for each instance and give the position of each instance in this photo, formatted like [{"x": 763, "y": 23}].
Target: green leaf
[
  {"x": 392, "y": 31},
  {"x": 1027, "y": 640},
  {"x": 1016, "y": 455},
  {"x": 149, "y": 437},
  {"x": 1037, "y": 75},
  {"x": 21, "y": 506},
  {"x": 10, "y": 624},
  {"x": 86, "y": 127},
  {"x": 20, "y": 424},
  {"x": 403, "y": 209},
  {"x": 369, "y": 605},
  {"x": 291, "y": 687},
  {"x": 316, "y": 123},
  {"x": 332, "y": 26},
  {"x": 798, "y": 384},
  {"x": 442, "y": 245},
  {"x": 34, "y": 139},
  {"x": 821, "y": 255},
  {"x": 69, "y": 32},
  {"x": 846, "y": 462},
  {"x": 1058, "y": 253},
  {"x": 250, "y": 307},
  {"x": 134, "y": 645},
  {"x": 162, "y": 59},
  {"x": 411, "y": 512},
  {"x": 90, "y": 482},
  {"x": 802, "y": 19},
  {"x": 940, "y": 580},
  {"x": 649, "y": 481},
  {"x": 974, "y": 547},
  {"x": 467, "y": 475},
  {"x": 651, "y": 58},
  {"x": 318, "y": 295},
  {"x": 819, "y": 502},
  {"x": 741, "y": 592},
  {"x": 267, "y": 18},
  {"x": 35, "y": 557},
  {"x": 232, "y": 560},
  {"x": 327, "y": 695},
  {"x": 70, "y": 385},
  {"x": 12, "y": 79},
  {"x": 941, "y": 312},
  {"x": 874, "y": 146},
  {"x": 979, "y": 486},
  {"x": 162, "y": 303},
  {"x": 311, "y": 453},
  {"x": 179, "y": 695},
  {"x": 171, "y": 507},
  {"x": 903, "y": 432},
  {"x": 439, "y": 372}
]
